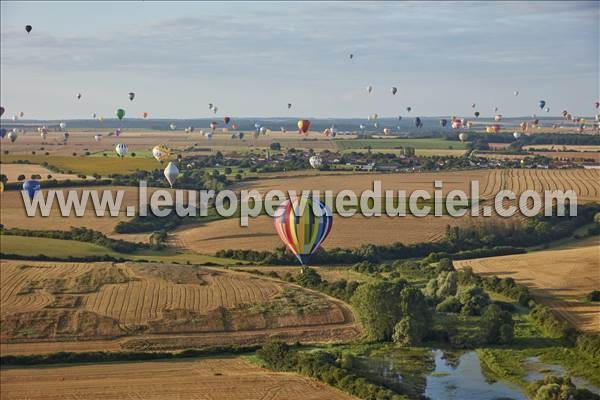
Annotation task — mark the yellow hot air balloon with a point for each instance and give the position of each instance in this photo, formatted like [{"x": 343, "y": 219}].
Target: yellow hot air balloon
[{"x": 161, "y": 152}]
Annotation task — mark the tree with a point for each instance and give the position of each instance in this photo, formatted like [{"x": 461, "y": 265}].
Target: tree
[
  {"x": 379, "y": 308},
  {"x": 472, "y": 299},
  {"x": 309, "y": 277},
  {"x": 275, "y": 146},
  {"x": 275, "y": 354},
  {"x": 444, "y": 285},
  {"x": 496, "y": 326},
  {"x": 21, "y": 177},
  {"x": 228, "y": 170},
  {"x": 407, "y": 332}
]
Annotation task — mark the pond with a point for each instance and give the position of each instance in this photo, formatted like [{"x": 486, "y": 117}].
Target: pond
[
  {"x": 537, "y": 370},
  {"x": 444, "y": 376}
]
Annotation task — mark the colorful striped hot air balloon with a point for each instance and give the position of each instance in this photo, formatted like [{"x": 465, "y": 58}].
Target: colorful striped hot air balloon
[{"x": 303, "y": 224}]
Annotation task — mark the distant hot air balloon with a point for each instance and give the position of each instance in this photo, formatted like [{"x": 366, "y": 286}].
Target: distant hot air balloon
[
  {"x": 94, "y": 115},
  {"x": 472, "y": 105},
  {"x": 66, "y": 137},
  {"x": 303, "y": 126},
  {"x": 351, "y": 56},
  {"x": 463, "y": 137},
  {"x": 333, "y": 131},
  {"x": 213, "y": 125},
  {"x": 121, "y": 149},
  {"x": 98, "y": 137},
  {"x": 547, "y": 109},
  {"x": 62, "y": 126},
  {"x": 315, "y": 161},
  {"x": 498, "y": 118},
  {"x": 418, "y": 122},
  {"x": 476, "y": 114},
  {"x": 327, "y": 132},
  {"x": 12, "y": 136},
  {"x": 171, "y": 173},
  {"x": 28, "y": 28},
  {"x": 399, "y": 117},
  {"x": 21, "y": 114},
  {"x": 495, "y": 128},
  {"x": 3, "y": 132},
  {"x": 117, "y": 132},
  {"x": 234, "y": 126},
  {"x": 31, "y": 186},
  {"x": 226, "y": 119},
  {"x": 517, "y": 135},
  {"x": 394, "y": 90},
  {"x": 516, "y": 93},
  {"x": 386, "y": 131},
  {"x": 542, "y": 104},
  {"x": 131, "y": 96},
  {"x": 78, "y": 96},
  {"x": 596, "y": 104},
  {"x": 208, "y": 135},
  {"x": 172, "y": 126},
  {"x": 120, "y": 113},
  {"x": 145, "y": 114},
  {"x": 44, "y": 133},
  {"x": 289, "y": 105},
  {"x": 303, "y": 225},
  {"x": 369, "y": 89},
  {"x": 215, "y": 109},
  {"x": 161, "y": 152},
  {"x": 443, "y": 122},
  {"x": 408, "y": 109},
  {"x": 456, "y": 123},
  {"x": 2, "y": 111},
  {"x": 210, "y": 106}
]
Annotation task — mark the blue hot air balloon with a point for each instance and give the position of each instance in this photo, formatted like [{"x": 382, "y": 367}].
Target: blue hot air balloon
[
  {"x": 31, "y": 186},
  {"x": 542, "y": 104}
]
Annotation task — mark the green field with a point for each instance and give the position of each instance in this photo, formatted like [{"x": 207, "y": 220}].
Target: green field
[
  {"x": 429, "y": 143},
  {"x": 57, "y": 248},
  {"x": 87, "y": 165}
]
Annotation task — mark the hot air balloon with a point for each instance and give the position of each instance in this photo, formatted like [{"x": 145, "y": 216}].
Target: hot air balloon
[
  {"x": 517, "y": 135},
  {"x": 145, "y": 114},
  {"x": 210, "y": 106},
  {"x": 12, "y": 136},
  {"x": 463, "y": 137},
  {"x": 234, "y": 126},
  {"x": 333, "y": 131},
  {"x": 542, "y": 104},
  {"x": 62, "y": 126},
  {"x": 362, "y": 127},
  {"x": 94, "y": 115},
  {"x": 327, "y": 132},
  {"x": 303, "y": 126},
  {"x": 44, "y": 133},
  {"x": 302, "y": 229},
  {"x": 547, "y": 109},
  {"x": 117, "y": 132},
  {"x": 215, "y": 109},
  {"x": 131, "y": 96},
  {"x": 443, "y": 122},
  {"x": 456, "y": 123},
  {"x": 498, "y": 118},
  {"x": 66, "y": 137},
  {"x": 78, "y": 96},
  {"x": 213, "y": 125},
  {"x": 172, "y": 126},
  {"x": 472, "y": 105},
  {"x": 495, "y": 109},
  {"x": 369, "y": 89},
  {"x": 289, "y": 105},
  {"x": 394, "y": 90},
  {"x": 476, "y": 114},
  {"x": 516, "y": 93},
  {"x": 31, "y": 186},
  {"x": 161, "y": 152},
  {"x": 2, "y": 111},
  {"x": 263, "y": 130},
  {"x": 399, "y": 117},
  {"x": 418, "y": 122},
  {"x": 120, "y": 113},
  {"x": 469, "y": 125},
  {"x": 208, "y": 135},
  {"x": 226, "y": 119},
  {"x": 386, "y": 131},
  {"x": 596, "y": 104},
  {"x": 171, "y": 173},
  {"x": 241, "y": 135},
  {"x": 28, "y": 28},
  {"x": 3, "y": 132},
  {"x": 315, "y": 161},
  {"x": 351, "y": 56},
  {"x": 121, "y": 149},
  {"x": 97, "y": 137},
  {"x": 495, "y": 128}
]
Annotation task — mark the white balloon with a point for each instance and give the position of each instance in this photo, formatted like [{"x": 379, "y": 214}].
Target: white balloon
[
  {"x": 121, "y": 149},
  {"x": 171, "y": 173}
]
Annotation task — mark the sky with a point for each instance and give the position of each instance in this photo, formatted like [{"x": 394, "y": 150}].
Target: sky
[{"x": 252, "y": 58}]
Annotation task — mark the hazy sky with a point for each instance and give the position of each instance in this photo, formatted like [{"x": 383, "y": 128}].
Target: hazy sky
[{"x": 251, "y": 59}]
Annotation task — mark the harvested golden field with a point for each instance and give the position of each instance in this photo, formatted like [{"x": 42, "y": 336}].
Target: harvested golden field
[
  {"x": 14, "y": 215},
  {"x": 331, "y": 274},
  {"x": 582, "y": 156},
  {"x": 560, "y": 278},
  {"x": 227, "y": 378},
  {"x": 357, "y": 230},
  {"x": 148, "y": 305},
  {"x": 12, "y": 171},
  {"x": 569, "y": 147}
]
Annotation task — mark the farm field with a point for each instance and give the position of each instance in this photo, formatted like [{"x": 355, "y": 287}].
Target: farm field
[
  {"x": 12, "y": 172},
  {"x": 385, "y": 143},
  {"x": 207, "y": 378},
  {"x": 260, "y": 235},
  {"x": 14, "y": 215},
  {"x": 155, "y": 304},
  {"x": 560, "y": 278},
  {"x": 331, "y": 274}
]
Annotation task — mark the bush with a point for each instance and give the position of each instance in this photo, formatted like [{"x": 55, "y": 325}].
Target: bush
[
  {"x": 594, "y": 295},
  {"x": 472, "y": 299},
  {"x": 449, "y": 305},
  {"x": 496, "y": 326}
]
